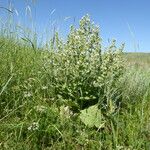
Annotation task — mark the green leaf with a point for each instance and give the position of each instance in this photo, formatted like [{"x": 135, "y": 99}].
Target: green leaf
[{"x": 92, "y": 117}]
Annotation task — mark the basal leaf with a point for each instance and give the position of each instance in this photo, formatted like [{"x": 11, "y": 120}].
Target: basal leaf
[{"x": 92, "y": 117}]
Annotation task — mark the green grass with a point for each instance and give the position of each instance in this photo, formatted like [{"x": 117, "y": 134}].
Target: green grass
[{"x": 36, "y": 110}]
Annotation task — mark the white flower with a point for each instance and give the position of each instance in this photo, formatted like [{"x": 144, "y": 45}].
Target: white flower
[
  {"x": 34, "y": 126},
  {"x": 27, "y": 94}
]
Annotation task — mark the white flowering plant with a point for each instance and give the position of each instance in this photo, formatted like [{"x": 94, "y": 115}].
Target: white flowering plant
[{"x": 79, "y": 70}]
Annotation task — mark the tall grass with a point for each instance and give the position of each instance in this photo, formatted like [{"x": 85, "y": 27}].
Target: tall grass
[{"x": 71, "y": 95}]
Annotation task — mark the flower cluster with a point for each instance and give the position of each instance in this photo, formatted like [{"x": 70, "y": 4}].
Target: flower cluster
[
  {"x": 27, "y": 94},
  {"x": 34, "y": 126}
]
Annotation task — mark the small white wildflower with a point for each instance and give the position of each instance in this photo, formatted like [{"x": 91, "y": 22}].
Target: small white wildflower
[
  {"x": 27, "y": 94},
  {"x": 77, "y": 37},
  {"x": 34, "y": 126}
]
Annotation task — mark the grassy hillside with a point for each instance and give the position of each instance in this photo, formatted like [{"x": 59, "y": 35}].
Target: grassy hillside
[
  {"x": 139, "y": 59},
  {"x": 63, "y": 97}
]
